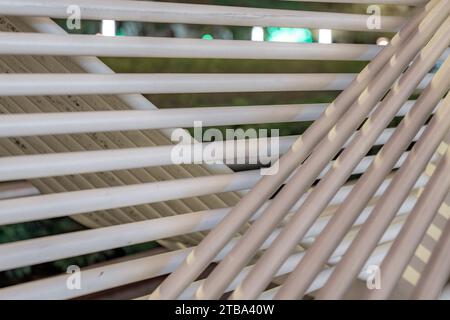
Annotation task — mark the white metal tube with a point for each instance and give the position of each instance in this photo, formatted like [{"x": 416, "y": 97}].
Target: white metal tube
[
  {"x": 289, "y": 264},
  {"x": 375, "y": 259},
  {"x": 218, "y": 237},
  {"x": 113, "y": 275},
  {"x": 108, "y": 276},
  {"x": 67, "y": 203},
  {"x": 163, "y": 12},
  {"x": 305, "y": 176},
  {"x": 85, "y": 84},
  {"x": 381, "y": 118},
  {"x": 29, "y": 124},
  {"x": 50, "y": 248},
  {"x": 396, "y": 2},
  {"x": 138, "y": 102},
  {"x": 57, "y": 164},
  {"x": 32, "y": 124},
  {"x": 14, "y": 43}
]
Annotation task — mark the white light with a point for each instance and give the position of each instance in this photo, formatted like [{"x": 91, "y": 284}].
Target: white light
[
  {"x": 108, "y": 28},
  {"x": 325, "y": 36},
  {"x": 382, "y": 41},
  {"x": 257, "y": 34}
]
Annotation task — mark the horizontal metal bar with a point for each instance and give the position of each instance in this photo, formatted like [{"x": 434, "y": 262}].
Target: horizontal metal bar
[
  {"x": 113, "y": 275},
  {"x": 50, "y": 248},
  {"x": 369, "y": 2},
  {"x": 30, "y": 124},
  {"x": 14, "y": 43},
  {"x": 57, "y": 164},
  {"x": 33, "y": 124},
  {"x": 67, "y": 203},
  {"x": 85, "y": 84},
  {"x": 163, "y": 12},
  {"x": 107, "y": 276}
]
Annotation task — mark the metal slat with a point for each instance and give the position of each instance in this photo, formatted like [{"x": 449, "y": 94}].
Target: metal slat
[
  {"x": 381, "y": 118},
  {"x": 151, "y": 11},
  {"x": 30, "y": 124},
  {"x": 369, "y": 2},
  {"x": 86, "y": 45},
  {"x": 334, "y": 229},
  {"x": 138, "y": 102},
  {"x": 111, "y": 276},
  {"x": 85, "y": 84},
  {"x": 57, "y": 164},
  {"x": 388, "y": 72},
  {"x": 67, "y": 203},
  {"x": 413, "y": 231},
  {"x": 420, "y": 154},
  {"x": 50, "y": 248}
]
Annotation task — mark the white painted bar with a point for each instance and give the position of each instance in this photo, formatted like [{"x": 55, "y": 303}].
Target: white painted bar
[
  {"x": 57, "y": 164},
  {"x": 73, "y": 84},
  {"x": 369, "y": 2},
  {"x": 33, "y": 124},
  {"x": 294, "y": 259},
  {"x": 163, "y": 12},
  {"x": 50, "y": 248},
  {"x": 375, "y": 259},
  {"x": 86, "y": 84},
  {"x": 93, "y": 45},
  {"x": 29, "y": 124},
  {"x": 107, "y": 276},
  {"x": 113, "y": 275},
  {"x": 67, "y": 203}
]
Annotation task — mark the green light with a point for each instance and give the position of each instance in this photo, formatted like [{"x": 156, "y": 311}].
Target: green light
[
  {"x": 207, "y": 37},
  {"x": 289, "y": 35}
]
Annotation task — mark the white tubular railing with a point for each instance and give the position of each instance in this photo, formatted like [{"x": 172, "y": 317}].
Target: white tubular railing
[
  {"x": 20, "y": 125},
  {"x": 151, "y": 11},
  {"x": 369, "y": 2},
  {"x": 85, "y": 84},
  {"x": 67, "y": 203},
  {"x": 47, "y": 165},
  {"x": 113, "y": 169},
  {"x": 86, "y": 45},
  {"x": 57, "y": 84},
  {"x": 34, "y": 251},
  {"x": 289, "y": 264},
  {"x": 139, "y": 269}
]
